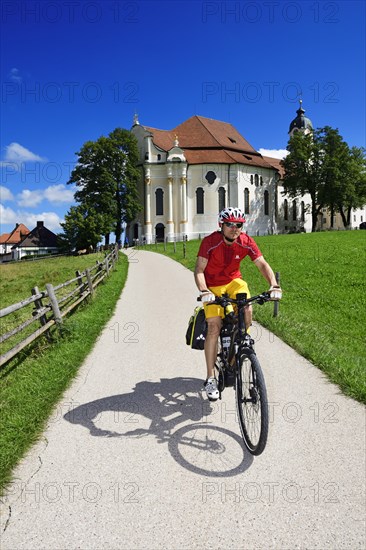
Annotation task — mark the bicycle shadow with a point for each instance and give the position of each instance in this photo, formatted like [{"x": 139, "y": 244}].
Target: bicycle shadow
[{"x": 199, "y": 446}]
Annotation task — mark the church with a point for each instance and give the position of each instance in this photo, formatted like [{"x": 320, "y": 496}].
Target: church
[{"x": 190, "y": 173}]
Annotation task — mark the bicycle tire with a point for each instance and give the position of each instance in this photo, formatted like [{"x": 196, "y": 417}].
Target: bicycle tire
[{"x": 252, "y": 403}]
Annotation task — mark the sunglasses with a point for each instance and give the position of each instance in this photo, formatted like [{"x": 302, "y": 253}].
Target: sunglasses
[{"x": 233, "y": 224}]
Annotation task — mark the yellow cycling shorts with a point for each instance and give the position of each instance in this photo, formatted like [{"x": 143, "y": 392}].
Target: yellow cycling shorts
[{"x": 236, "y": 286}]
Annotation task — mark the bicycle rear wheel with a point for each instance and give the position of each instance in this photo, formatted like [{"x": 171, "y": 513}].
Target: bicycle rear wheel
[{"x": 252, "y": 404}]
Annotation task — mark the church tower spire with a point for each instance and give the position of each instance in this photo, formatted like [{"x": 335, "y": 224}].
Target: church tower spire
[{"x": 301, "y": 122}]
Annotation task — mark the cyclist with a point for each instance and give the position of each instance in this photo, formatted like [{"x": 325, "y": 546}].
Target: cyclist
[{"x": 217, "y": 271}]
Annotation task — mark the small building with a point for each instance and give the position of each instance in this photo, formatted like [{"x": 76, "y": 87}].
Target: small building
[
  {"x": 8, "y": 240},
  {"x": 39, "y": 241}
]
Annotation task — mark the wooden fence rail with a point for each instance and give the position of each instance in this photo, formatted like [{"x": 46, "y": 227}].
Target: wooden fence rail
[{"x": 50, "y": 306}]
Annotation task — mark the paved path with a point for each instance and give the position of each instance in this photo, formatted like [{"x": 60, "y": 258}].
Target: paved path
[{"x": 136, "y": 458}]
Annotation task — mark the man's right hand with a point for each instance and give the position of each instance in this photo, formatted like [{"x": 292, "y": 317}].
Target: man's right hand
[{"x": 207, "y": 296}]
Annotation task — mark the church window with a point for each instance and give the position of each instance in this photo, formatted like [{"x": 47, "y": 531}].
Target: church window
[
  {"x": 285, "y": 209},
  {"x": 256, "y": 180},
  {"x": 246, "y": 201},
  {"x": 222, "y": 198},
  {"x": 266, "y": 203},
  {"x": 294, "y": 210},
  {"x": 251, "y": 180},
  {"x": 159, "y": 156},
  {"x": 210, "y": 177},
  {"x": 261, "y": 180},
  {"x": 159, "y": 195},
  {"x": 200, "y": 205}
]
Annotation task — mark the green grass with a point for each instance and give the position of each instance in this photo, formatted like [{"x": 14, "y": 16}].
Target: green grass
[
  {"x": 322, "y": 313},
  {"x": 31, "y": 385},
  {"x": 18, "y": 278}
]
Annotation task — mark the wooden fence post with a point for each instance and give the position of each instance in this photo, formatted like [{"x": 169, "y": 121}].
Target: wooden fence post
[
  {"x": 90, "y": 282},
  {"x": 37, "y": 308},
  {"x": 54, "y": 304},
  {"x": 80, "y": 281},
  {"x": 276, "y": 305}
]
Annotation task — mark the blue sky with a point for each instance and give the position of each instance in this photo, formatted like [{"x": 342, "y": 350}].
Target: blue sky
[{"x": 73, "y": 71}]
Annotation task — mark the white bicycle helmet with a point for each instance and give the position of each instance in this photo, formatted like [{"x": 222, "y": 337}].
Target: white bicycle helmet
[{"x": 231, "y": 214}]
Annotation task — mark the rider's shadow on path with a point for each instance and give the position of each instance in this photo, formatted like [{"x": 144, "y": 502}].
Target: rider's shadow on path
[{"x": 169, "y": 404}]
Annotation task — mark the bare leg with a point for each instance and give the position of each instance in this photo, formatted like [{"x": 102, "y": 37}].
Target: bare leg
[
  {"x": 213, "y": 331},
  {"x": 248, "y": 315}
]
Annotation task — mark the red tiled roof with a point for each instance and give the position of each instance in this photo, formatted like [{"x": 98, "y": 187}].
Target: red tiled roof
[
  {"x": 19, "y": 232},
  {"x": 4, "y": 238},
  {"x": 205, "y": 140},
  {"x": 277, "y": 164}
]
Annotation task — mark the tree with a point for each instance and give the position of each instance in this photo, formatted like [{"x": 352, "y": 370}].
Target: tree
[
  {"x": 82, "y": 229},
  {"x": 322, "y": 164},
  {"x": 353, "y": 192},
  {"x": 302, "y": 172},
  {"x": 106, "y": 177}
]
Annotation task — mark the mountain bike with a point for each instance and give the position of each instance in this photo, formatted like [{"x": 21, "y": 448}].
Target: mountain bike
[{"x": 237, "y": 365}]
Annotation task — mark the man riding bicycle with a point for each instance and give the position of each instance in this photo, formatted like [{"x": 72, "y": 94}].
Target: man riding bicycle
[{"x": 217, "y": 272}]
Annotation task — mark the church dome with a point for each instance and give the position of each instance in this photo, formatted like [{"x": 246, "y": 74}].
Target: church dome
[{"x": 301, "y": 122}]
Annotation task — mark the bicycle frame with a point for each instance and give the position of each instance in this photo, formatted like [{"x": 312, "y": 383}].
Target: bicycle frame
[
  {"x": 245, "y": 374},
  {"x": 238, "y": 332}
]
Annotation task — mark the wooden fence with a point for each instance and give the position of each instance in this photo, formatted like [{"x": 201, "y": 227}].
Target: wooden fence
[{"x": 51, "y": 305}]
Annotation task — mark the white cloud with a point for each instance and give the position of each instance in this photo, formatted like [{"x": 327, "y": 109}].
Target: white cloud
[
  {"x": 274, "y": 153},
  {"x": 15, "y": 75},
  {"x": 57, "y": 194},
  {"x": 6, "y": 194},
  {"x": 16, "y": 154},
  {"x": 51, "y": 220},
  {"x": 29, "y": 198},
  {"x": 9, "y": 216}
]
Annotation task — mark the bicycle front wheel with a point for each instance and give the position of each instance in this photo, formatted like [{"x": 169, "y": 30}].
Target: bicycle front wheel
[{"x": 252, "y": 404}]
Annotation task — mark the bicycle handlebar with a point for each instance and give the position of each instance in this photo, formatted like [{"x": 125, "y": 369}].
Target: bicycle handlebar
[{"x": 240, "y": 300}]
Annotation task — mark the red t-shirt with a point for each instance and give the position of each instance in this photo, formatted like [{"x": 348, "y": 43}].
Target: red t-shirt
[{"x": 224, "y": 260}]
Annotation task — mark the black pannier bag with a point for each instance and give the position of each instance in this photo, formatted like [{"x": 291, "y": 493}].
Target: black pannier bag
[{"x": 197, "y": 329}]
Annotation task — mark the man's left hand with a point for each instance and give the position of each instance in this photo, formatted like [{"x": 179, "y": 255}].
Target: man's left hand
[{"x": 275, "y": 292}]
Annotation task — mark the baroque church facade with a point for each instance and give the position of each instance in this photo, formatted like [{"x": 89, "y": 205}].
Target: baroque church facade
[{"x": 190, "y": 173}]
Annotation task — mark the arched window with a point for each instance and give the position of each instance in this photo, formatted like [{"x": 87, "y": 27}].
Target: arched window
[
  {"x": 294, "y": 210},
  {"x": 200, "y": 205},
  {"x": 302, "y": 211},
  {"x": 251, "y": 180},
  {"x": 246, "y": 201},
  {"x": 285, "y": 209},
  {"x": 256, "y": 180},
  {"x": 159, "y": 195},
  {"x": 222, "y": 198},
  {"x": 266, "y": 203},
  {"x": 261, "y": 180}
]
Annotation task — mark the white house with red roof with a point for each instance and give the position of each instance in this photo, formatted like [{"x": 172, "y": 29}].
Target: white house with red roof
[
  {"x": 23, "y": 242},
  {"x": 8, "y": 240},
  {"x": 190, "y": 173}
]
